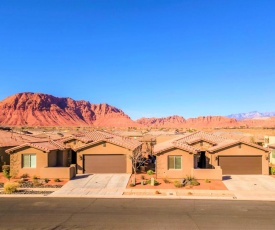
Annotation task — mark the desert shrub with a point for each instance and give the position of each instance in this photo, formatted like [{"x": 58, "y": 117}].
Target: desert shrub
[
  {"x": 177, "y": 184},
  {"x": 35, "y": 177},
  {"x": 166, "y": 181},
  {"x": 194, "y": 182},
  {"x": 10, "y": 187},
  {"x": 36, "y": 183},
  {"x": 57, "y": 180},
  {"x": 150, "y": 172},
  {"x": 46, "y": 180},
  {"x": 25, "y": 175},
  {"x": 132, "y": 185},
  {"x": 207, "y": 181}
]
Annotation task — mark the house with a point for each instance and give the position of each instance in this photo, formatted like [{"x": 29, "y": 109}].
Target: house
[
  {"x": 9, "y": 139},
  {"x": 102, "y": 152},
  {"x": 209, "y": 156},
  {"x": 87, "y": 152},
  {"x": 46, "y": 159}
]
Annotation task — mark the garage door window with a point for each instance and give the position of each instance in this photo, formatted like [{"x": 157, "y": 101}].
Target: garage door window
[
  {"x": 174, "y": 162},
  {"x": 29, "y": 161}
]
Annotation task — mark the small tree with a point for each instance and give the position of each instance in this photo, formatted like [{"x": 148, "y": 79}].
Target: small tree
[
  {"x": 137, "y": 160},
  {"x": 6, "y": 171}
]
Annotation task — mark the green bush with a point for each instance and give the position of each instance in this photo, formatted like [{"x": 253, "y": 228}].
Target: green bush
[
  {"x": 177, "y": 184},
  {"x": 46, "y": 180},
  {"x": 6, "y": 171},
  {"x": 273, "y": 170},
  {"x": 150, "y": 172},
  {"x": 10, "y": 187},
  {"x": 166, "y": 181},
  {"x": 57, "y": 180},
  {"x": 132, "y": 185},
  {"x": 207, "y": 181}
]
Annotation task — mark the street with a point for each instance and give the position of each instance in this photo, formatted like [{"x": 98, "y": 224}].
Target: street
[{"x": 84, "y": 213}]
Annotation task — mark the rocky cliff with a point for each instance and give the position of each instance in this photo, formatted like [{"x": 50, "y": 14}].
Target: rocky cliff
[
  {"x": 180, "y": 122},
  {"x": 170, "y": 122},
  {"x": 36, "y": 109}
]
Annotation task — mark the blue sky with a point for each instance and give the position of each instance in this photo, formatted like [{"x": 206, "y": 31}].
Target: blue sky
[{"x": 147, "y": 57}]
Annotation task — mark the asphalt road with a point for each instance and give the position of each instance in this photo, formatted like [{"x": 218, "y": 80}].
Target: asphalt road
[{"x": 75, "y": 213}]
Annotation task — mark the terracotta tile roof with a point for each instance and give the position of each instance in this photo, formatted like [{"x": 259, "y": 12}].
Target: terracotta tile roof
[
  {"x": 217, "y": 141},
  {"x": 93, "y": 137},
  {"x": 197, "y": 136},
  {"x": 9, "y": 139},
  {"x": 46, "y": 146},
  {"x": 173, "y": 143}
]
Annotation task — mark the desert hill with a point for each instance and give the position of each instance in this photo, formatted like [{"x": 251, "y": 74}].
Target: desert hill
[{"x": 37, "y": 109}]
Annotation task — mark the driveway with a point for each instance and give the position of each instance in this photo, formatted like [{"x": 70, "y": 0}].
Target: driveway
[
  {"x": 94, "y": 185},
  {"x": 249, "y": 183}
]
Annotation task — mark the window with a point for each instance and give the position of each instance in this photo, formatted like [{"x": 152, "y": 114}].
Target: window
[
  {"x": 174, "y": 162},
  {"x": 29, "y": 161},
  {"x": 273, "y": 153}
]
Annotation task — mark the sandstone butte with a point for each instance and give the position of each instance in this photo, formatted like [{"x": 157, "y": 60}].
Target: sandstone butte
[{"x": 37, "y": 109}]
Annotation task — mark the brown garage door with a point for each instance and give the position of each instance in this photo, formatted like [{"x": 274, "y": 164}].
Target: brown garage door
[
  {"x": 105, "y": 163},
  {"x": 239, "y": 165}
]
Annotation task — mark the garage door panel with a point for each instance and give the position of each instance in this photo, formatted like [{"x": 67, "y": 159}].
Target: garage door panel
[
  {"x": 111, "y": 163},
  {"x": 241, "y": 165}
]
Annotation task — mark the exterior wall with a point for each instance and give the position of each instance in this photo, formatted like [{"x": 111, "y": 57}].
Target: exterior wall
[
  {"x": 211, "y": 174},
  {"x": 16, "y": 162},
  {"x": 268, "y": 140},
  {"x": 100, "y": 149},
  {"x": 271, "y": 158},
  {"x": 4, "y": 156},
  {"x": 243, "y": 151},
  {"x": 162, "y": 170},
  {"x": 58, "y": 172}
]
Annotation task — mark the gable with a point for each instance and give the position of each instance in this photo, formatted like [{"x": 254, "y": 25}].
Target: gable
[
  {"x": 240, "y": 148},
  {"x": 104, "y": 147}
]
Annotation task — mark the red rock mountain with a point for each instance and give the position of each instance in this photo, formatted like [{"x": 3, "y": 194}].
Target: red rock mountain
[
  {"x": 171, "y": 122},
  {"x": 180, "y": 122},
  {"x": 35, "y": 109}
]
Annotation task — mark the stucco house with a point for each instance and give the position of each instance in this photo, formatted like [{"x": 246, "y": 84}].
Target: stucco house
[
  {"x": 208, "y": 156},
  {"x": 9, "y": 139},
  {"x": 48, "y": 159},
  {"x": 87, "y": 152},
  {"x": 102, "y": 152}
]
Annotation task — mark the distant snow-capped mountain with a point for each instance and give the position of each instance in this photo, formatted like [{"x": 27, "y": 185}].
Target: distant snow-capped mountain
[{"x": 251, "y": 115}]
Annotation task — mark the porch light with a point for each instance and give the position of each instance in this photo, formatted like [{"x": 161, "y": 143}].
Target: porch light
[
  {"x": 80, "y": 157},
  {"x": 216, "y": 158}
]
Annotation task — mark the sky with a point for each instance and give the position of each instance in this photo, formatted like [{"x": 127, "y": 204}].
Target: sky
[{"x": 150, "y": 58}]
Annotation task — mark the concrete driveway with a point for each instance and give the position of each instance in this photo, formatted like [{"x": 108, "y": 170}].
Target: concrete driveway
[
  {"x": 249, "y": 183},
  {"x": 94, "y": 185}
]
